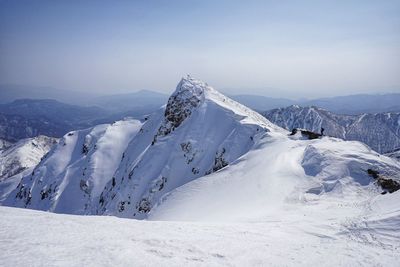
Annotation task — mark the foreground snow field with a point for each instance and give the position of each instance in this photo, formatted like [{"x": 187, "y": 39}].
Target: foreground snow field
[{"x": 37, "y": 238}]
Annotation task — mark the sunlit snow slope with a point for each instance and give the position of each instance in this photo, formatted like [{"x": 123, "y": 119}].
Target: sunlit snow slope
[
  {"x": 35, "y": 238},
  {"x": 197, "y": 133},
  {"x": 202, "y": 157},
  {"x": 19, "y": 159},
  {"x": 24, "y": 154},
  {"x": 283, "y": 174},
  {"x": 74, "y": 173},
  {"x": 218, "y": 184}
]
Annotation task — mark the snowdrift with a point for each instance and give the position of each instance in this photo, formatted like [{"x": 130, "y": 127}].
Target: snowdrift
[{"x": 201, "y": 157}]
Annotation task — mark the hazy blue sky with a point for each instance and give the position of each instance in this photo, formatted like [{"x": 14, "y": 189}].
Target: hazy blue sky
[{"x": 277, "y": 48}]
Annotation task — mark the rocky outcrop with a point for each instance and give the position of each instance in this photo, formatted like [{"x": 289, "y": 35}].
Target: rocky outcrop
[{"x": 387, "y": 184}]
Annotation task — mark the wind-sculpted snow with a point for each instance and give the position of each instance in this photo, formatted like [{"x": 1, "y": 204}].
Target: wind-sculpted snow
[
  {"x": 380, "y": 131},
  {"x": 207, "y": 159},
  {"x": 71, "y": 177},
  {"x": 34, "y": 238},
  {"x": 201, "y": 132},
  {"x": 26, "y": 153},
  {"x": 202, "y": 156},
  {"x": 281, "y": 172},
  {"x": 19, "y": 159}
]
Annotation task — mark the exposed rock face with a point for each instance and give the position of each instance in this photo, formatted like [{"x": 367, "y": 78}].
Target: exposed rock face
[
  {"x": 307, "y": 134},
  {"x": 188, "y": 95},
  {"x": 387, "y": 184}
]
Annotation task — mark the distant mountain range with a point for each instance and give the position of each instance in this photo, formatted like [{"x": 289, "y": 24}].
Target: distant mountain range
[
  {"x": 394, "y": 154},
  {"x": 11, "y": 92},
  {"x": 350, "y": 105},
  {"x": 146, "y": 99},
  {"x": 25, "y": 118},
  {"x": 258, "y": 102},
  {"x": 357, "y": 104},
  {"x": 28, "y": 118},
  {"x": 380, "y": 131}
]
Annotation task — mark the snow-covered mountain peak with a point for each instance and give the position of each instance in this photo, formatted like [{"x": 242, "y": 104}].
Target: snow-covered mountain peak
[
  {"x": 198, "y": 132},
  {"x": 195, "y": 95},
  {"x": 190, "y": 87},
  {"x": 188, "y": 95}
]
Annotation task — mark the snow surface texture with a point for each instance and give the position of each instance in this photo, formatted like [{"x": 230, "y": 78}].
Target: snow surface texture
[
  {"x": 278, "y": 176},
  {"x": 380, "y": 131},
  {"x": 19, "y": 159},
  {"x": 24, "y": 154},
  {"x": 222, "y": 175},
  {"x": 72, "y": 176},
  {"x": 36, "y": 238}
]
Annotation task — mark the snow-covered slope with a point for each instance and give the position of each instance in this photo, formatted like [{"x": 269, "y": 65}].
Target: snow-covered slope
[
  {"x": 282, "y": 175},
  {"x": 198, "y": 132},
  {"x": 206, "y": 159},
  {"x": 19, "y": 159},
  {"x": 24, "y": 154},
  {"x": 380, "y": 131},
  {"x": 72, "y": 176},
  {"x": 35, "y": 238},
  {"x": 201, "y": 157}
]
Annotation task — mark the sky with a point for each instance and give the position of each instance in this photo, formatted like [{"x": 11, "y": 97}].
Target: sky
[{"x": 295, "y": 49}]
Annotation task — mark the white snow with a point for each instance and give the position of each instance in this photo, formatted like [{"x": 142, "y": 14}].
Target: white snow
[
  {"x": 24, "y": 154},
  {"x": 75, "y": 172},
  {"x": 19, "y": 159},
  {"x": 282, "y": 175},
  {"x": 380, "y": 131},
  {"x": 36, "y": 238},
  {"x": 216, "y": 184}
]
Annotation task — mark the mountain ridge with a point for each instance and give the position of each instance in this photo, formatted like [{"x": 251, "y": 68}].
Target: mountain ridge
[
  {"x": 201, "y": 152},
  {"x": 381, "y": 131},
  {"x": 174, "y": 138}
]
